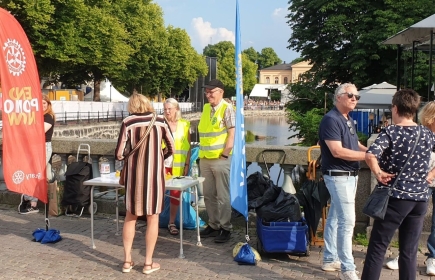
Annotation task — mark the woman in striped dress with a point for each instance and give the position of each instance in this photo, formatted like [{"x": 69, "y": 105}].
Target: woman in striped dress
[{"x": 145, "y": 176}]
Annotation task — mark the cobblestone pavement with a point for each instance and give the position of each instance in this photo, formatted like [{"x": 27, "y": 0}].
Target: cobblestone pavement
[{"x": 72, "y": 258}]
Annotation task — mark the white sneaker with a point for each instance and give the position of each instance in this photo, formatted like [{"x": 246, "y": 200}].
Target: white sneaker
[
  {"x": 430, "y": 266},
  {"x": 333, "y": 266},
  {"x": 393, "y": 264},
  {"x": 349, "y": 275}
]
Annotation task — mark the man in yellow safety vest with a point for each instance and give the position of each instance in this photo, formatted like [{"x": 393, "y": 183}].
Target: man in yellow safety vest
[{"x": 216, "y": 139}]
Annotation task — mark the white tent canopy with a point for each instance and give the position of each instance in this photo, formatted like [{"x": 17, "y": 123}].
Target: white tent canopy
[
  {"x": 419, "y": 32},
  {"x": 107, "y": 93},
  {"x": 377, "y": 96},
  {"x": 261, "y": 90}
]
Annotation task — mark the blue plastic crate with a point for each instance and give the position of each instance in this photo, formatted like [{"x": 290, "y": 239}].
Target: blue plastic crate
[{"x": 283, "y": 237}]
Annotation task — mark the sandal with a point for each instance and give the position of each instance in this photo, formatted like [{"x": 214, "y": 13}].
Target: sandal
[
  {"x": 152, "y": 269},
  {"x": 127, "y": 269},
  {"x": 173, "y": 229}
]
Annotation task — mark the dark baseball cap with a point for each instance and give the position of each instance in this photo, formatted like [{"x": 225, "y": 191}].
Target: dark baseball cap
[{"x": 215, "y": 83}]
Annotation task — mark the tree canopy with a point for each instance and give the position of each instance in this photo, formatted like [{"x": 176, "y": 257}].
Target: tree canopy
[
  {"x": 124, "y": 41},
  {"x": 225, "y": 53},
  {"x": 343, "y": 38},
  {"x": 251, "y": 62}
]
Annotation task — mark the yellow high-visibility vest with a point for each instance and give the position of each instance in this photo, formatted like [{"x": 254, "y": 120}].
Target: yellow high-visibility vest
[
  {"x": 182, "y": 147},
  {"x": 212, "y": 137}
]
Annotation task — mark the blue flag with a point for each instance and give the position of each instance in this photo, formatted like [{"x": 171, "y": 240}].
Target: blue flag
[{"x": 238, "y": 186}]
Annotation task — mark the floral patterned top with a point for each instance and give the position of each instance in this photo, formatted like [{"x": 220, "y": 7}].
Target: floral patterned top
[{"x": 392, "y": 148}]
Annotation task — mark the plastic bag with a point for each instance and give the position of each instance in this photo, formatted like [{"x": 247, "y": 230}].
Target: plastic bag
[
  {"x": 38, "y": 234},
  {"x": 49, "y": 236},
  {"x": 285, "y": 208},
  {"x": 257, "y": 185},
  {"x": 270, "y": 195},
  {"x": 239, "y": 245},
  {"x": 245, "y": 255},
  {"x": 189, "y": 213}
]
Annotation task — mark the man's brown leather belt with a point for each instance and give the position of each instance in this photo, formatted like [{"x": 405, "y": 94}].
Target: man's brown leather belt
[{"x": 341, "y": 173}]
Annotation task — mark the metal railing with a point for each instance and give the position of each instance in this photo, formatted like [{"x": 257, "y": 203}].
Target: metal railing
[{"x": 65, "y": 118}]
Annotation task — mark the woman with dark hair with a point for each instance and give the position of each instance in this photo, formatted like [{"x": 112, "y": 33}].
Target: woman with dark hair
[
  {"x": 145, "y": 176},
  {"x": 29, "y": 203},
  {"x": 392, "y": 161}
]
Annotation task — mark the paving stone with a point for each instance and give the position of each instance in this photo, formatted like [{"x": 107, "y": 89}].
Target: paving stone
[{"x": 73, "y": 258}]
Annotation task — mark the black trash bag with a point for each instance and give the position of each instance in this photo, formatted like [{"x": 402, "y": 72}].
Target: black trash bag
[
  {"x": 257, "y": 185},
  {"x": 285, "y": 208},
  {"x": 268, "y": 196}
]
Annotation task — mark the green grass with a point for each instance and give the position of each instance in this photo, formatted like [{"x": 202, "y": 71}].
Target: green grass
[{"x": 361, "y": 239}]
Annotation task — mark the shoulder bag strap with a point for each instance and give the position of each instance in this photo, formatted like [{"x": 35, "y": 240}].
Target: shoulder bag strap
[
  {"x": 407, "y": 160},
  {"x": 150, "y": 126}
]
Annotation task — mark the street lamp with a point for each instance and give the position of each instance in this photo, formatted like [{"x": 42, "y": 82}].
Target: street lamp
[{"x": 110, "y": 92}]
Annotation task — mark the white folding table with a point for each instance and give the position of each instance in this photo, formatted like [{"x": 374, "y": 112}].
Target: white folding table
[{"x": 181, "y": 184}]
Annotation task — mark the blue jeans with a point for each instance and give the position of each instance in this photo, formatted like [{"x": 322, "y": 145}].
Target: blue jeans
[
  {"x": 48, "y": 152},
  {"x": 340, "y": 221},
  {"x": 431, "y": 238}
]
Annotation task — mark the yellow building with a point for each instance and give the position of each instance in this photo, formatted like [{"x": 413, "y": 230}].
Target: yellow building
[
  {"x": 277, "y": 77},
  {"x": 283, "y": 73}
]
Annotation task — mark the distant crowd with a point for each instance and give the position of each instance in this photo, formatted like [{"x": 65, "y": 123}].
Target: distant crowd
[{"x": 251, "y": 104}]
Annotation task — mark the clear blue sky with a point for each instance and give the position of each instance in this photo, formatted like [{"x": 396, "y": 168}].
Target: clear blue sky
[{"x": 262, "y": 23}]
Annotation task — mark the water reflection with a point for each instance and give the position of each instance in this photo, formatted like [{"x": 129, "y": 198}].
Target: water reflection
[
  {"x": 269, "y": 131},
  {"x": 261, "y": 130}
]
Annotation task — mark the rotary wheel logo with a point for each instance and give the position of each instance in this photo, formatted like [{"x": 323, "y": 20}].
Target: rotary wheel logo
[
  {"x": 18, "y": 177},
  {"x": 15, "y": 57}
]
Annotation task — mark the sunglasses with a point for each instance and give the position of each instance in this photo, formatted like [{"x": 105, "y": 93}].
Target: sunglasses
[
  {"x": 350, "y": 95},
  {"x": 350, "y": 126}
]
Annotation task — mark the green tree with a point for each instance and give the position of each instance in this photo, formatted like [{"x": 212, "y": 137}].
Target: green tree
[
  {"x": 343, "y": 38},
  {"x": 251, "y": 54},
  {"x": 309, "y": 93},
  {"x": 267, "y": 58},
  {"x": 185, "y": 65},
  {"x": 81, "y": 40},
  {"x": 225, "y": 53},
  {"x": 307, "y": 124}
]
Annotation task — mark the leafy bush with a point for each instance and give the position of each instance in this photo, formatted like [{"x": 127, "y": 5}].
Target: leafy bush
[
  {"x": 307, "y": 124},
  {"x": 362, "y": 138}
]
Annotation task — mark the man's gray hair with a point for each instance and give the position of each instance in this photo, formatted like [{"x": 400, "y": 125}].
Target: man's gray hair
[{"x": 342, "y": 89}]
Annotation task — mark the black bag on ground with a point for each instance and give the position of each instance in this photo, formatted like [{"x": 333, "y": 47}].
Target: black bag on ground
[
  {"x": 75, "y": 193},
  {"x": 257, "y": 185},
  {"x": 285, "y": 208},
  {"x": 268, "y": 196}
]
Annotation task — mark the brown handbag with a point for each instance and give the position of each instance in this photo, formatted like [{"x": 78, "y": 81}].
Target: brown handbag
[{"x": 123, "y": 175}]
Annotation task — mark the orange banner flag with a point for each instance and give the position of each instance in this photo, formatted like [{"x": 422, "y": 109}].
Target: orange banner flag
[{"x": 24, "y": 166}]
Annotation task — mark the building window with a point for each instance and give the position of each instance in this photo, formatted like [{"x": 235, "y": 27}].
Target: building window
[
  {"x": 285, "y": 80},
  {"x": 267, "y": 80},
  {"x": 276, "y": 80}
]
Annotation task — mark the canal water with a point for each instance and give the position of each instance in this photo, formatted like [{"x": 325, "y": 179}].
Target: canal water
[
  {"x": 262, "y": 130},
  {"x": 269, "y": 131}
]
